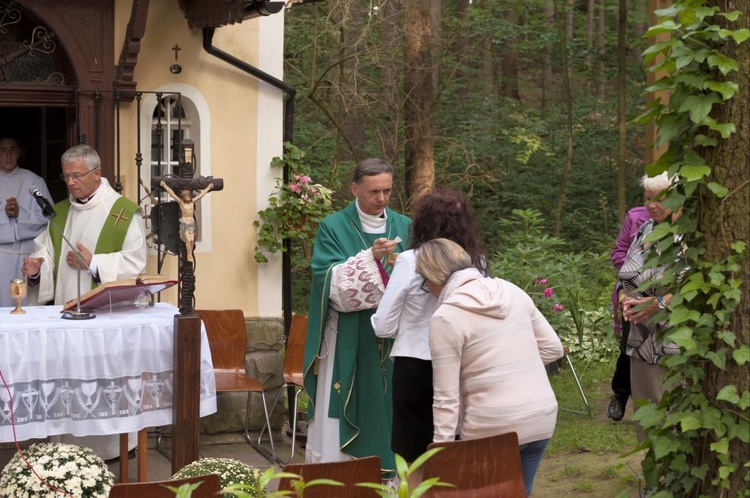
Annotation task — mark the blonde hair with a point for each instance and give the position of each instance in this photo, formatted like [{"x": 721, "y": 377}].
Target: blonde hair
[{"x": 438, "y": 259}]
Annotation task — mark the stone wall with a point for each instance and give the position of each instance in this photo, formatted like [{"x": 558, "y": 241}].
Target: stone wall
[{"x": 263, "y": 360}]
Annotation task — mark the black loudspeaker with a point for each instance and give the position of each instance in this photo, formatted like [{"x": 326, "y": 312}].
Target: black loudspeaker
[{"x": 165, "y": 225}]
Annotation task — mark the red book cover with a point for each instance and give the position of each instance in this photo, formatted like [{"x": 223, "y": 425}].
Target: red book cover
[{"x": 120, "y": 292}]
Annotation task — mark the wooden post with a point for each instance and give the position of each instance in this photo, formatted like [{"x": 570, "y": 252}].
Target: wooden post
[{"x": 186, "y": 390}]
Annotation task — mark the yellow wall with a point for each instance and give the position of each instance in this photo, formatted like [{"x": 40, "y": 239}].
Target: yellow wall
[{"x": 227, "y": 276}]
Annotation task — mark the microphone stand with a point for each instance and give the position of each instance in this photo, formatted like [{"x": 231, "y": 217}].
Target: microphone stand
[{"x": 77, "y": 314}]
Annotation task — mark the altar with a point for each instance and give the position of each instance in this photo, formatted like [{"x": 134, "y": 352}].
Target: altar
[{"x": 109, "y": 375}]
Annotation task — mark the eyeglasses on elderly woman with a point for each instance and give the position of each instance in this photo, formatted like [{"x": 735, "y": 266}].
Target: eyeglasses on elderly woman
[{"x": 424, "y": 287}]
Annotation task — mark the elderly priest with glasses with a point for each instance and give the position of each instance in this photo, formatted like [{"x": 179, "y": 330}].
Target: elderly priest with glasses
[{"x": 108, "y": 232}]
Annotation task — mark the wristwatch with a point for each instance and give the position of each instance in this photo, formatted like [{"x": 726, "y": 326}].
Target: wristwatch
[{"x": 661, "y": 303}]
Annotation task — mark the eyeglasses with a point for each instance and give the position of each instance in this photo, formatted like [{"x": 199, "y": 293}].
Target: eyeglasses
[
  {"x": 74, "y": 176},
  {"x": 424, "y": 287}
]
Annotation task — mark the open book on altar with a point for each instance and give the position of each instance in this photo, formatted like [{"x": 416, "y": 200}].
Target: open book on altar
[{"x": 134, "y": 291}]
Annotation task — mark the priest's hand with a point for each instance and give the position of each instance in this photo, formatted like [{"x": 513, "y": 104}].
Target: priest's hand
[
  {"x": 11, "y": 207},
  {"x": 31, "y": 266},
  {"x": 72, "y": 259},
  {"x": 382, "y": 247}
]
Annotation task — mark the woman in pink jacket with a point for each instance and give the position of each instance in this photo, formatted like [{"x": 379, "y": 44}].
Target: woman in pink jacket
[{"x": 489, "y": 345}]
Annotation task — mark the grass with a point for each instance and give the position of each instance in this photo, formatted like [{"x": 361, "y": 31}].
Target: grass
[{"x": 583, "y": 433}]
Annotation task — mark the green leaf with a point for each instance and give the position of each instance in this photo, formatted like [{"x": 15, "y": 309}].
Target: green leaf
[
  {"x": 741, "y": 355},
  {"x": 728, "y": 393},
  {"x": 683, "y": 337},
  {"x": 724, "y": 63},
  {"x": 664, "y": 445},
  {"x": 732, "y": 16},
  {"x": 727, "y": 89},
  {"x": 705, "y": 141},
  {"x": 721, "y": 446},
  {"x": 699, "y": 106},
  {"x": 689, "y": 423},
  {"x": 719, "y": 190},
  {"x": 741, "y": 35},
  {"x": 665, "y": 26},
  {"x": 682, "y": 315},
  {"x": 694, "y": 173}
]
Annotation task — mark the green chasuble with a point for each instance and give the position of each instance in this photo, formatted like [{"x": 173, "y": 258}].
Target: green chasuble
[{"x": 361, "y": 396}]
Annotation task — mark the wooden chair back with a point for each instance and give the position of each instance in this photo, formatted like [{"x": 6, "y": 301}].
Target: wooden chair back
[
  {"x": 209, "y": 488},
  {"x": 295, "y": 351},
  {"x": 479, "y": 468},
  {"x": 227, "y": 336},
  {"x": 348, "y": 472}
]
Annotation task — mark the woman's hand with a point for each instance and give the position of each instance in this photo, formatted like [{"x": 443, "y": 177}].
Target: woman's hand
[{"x": 639, "y": 309}]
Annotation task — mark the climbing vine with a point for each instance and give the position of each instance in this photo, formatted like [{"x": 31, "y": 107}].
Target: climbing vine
[{"x": 695, "y": 434}]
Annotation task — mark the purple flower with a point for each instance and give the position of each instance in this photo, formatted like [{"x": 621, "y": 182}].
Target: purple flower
[
  {"x": 548, "y": 292},
  {"x": 543, "y": 281}
]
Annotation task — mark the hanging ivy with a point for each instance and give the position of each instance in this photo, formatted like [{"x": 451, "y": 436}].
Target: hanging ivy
[{"x": 694, "y": 433}]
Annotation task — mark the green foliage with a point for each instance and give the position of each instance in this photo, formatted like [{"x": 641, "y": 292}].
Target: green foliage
[
  {"x": 259, "y": 486},
  {"x": 404, "y": 471},
  {"x": 698, "y": 79},
  {"x": 295, "y": 208},
  {"x": 572, "y": 290}
]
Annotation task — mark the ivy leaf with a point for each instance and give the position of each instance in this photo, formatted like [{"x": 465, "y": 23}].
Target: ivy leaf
[
  {"x": 689, "y": 423},
  {"x": 741, "y": 35},
  {"x": 663, "y": 27},
  {"x": 725, "y": 129},
  {"x": 721, "y": 446},
  {"x": 728, "y": 393},
  {"x": 741, "y": 355},
  {"x": 705, "y": 141},
  {"x": 724, "y": 63},
  {"x": 699, "y": 106},
  {"x": 731, "y": 16},
  {"x": 682, "y": 315},
  {"x": 663, "y": 446},
  {"x": 683, "y": 337},
  {"x": 719, "y": 190},
  {"x": 727, "y": 89},
  {"x": 694, "y": 173}
]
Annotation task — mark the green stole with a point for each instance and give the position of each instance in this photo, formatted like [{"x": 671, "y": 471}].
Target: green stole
[
  {"x": 112, "y": 234},
  {"x": 362, "y": 370}
]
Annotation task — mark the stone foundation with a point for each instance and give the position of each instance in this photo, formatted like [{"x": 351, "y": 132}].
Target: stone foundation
[{"x": 263, "y": 360}]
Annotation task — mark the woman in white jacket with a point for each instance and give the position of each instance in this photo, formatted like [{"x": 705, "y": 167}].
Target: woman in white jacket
[
  {"x": 489, "y": 345},
  {"x": 404, "y": 314}
]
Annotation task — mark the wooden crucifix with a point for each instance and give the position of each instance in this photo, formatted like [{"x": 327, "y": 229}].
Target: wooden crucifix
[{"x": 187, "y": 325}]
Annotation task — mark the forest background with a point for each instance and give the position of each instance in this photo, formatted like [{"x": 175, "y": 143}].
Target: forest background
[
  {"x": 526, "y": 107},
  {"x": 507, "y": 128}
]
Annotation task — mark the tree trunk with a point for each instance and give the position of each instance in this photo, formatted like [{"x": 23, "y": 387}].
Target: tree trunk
[
  {"x": 509, "y": 60},
  {"x": 436, "y": 25},
  {"x": 390, "y": 93},
  {"x": 590, "y": 9},
  {"x": 622, "y": 80},
  {"x": 420, "y": 140},
  {"x": 722, "y": 222},
  {"x": 568, "y": 121},
  {"x": 546, "y": 61},
  {"x": 601, "y": 48}
]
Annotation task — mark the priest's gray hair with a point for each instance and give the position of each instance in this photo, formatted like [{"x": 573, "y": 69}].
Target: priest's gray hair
[
  {"x": 82, "y": 151},
  {"x": 438, "y": 259},
  {"x": 371, "y": 167}
]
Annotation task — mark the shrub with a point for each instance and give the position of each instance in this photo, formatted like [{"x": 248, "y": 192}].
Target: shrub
[{"x": 230, "y": 472}]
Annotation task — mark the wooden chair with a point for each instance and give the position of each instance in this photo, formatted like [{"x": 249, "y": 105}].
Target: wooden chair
[
  {"x": 293, "y": 374},
  {"x": 209, "y": 488},
  {"x": 480, "y": 468},
  {"x": 227, "y": 337},
  {"x": 348, "y": 472}
]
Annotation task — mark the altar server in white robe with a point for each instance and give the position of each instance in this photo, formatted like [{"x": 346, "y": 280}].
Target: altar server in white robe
[
  {"x": 108, "y": 231},
  {"x": 21, "y": 219}
]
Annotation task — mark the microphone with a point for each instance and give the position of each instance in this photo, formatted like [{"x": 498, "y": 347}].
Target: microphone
[{"x": 47, "y": 209}]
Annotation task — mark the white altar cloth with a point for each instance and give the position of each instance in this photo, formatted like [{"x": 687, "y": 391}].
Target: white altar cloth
[{"x": 108, "y": 375}]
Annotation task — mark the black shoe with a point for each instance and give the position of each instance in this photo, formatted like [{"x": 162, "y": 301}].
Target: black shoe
[{"x": 616, "y": 408}]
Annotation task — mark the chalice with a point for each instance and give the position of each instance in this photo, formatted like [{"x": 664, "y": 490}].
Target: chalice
[{"x": 18, "y": 292}]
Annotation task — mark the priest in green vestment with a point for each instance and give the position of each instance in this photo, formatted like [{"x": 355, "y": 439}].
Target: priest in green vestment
[{"x": 347, "y": 369}]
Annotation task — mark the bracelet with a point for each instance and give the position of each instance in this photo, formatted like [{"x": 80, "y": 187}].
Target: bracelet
[{"x": 661, "y": 303}]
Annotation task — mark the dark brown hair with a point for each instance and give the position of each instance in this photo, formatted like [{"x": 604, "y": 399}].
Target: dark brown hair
[{"x": 447, "y": 214}]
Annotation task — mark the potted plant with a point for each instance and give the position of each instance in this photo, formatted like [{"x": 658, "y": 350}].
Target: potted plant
[
  {"x": 65, "y": 468},
  {"x": 294, "y": 209},
  {"x": 229, "y": 470}
]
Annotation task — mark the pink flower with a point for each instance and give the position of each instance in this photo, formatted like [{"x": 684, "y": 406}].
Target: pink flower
[
  {"x": 548, "y": 292},
  {"x": 557, "y": 307}
]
